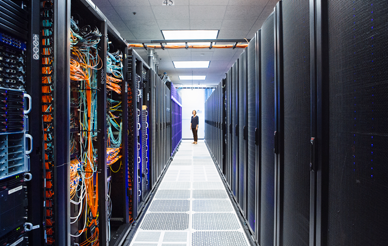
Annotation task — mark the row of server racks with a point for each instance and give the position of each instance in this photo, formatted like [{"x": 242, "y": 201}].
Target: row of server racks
[
  {"x": 299, "y": 125},
  {"x": 84, "y": 126}
]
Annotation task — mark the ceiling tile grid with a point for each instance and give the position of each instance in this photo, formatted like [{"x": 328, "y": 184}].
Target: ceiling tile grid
[{"x": 145, "y": 19}]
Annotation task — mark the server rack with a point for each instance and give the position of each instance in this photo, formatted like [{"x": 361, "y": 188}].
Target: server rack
[
  {"x": 234, "y": 116},
  {"x": 349, "y": 112},
  {"x": 17, "y": 72},
  {"x": 242, "y": 132},
  {"x": 252, "y": 164},
  {"x": 176, "y": 118}
]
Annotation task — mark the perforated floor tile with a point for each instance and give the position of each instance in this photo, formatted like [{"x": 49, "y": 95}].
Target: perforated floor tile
[
  {"x": 212, "y": 206},
  {"x": 215, "y": 221},
  {"x": 208, "y": 186},
  {"x": 172, "y": 194},
  {"x": 170, "y": 206},
  {"x": 170, "y": 244},
  {"x": 175, "y": 185},
  {"x": 175, "y": 237},
  {"x": 144, "y": 244},
  {"x": 147, "y": 236},
  {"x": 218, "y": 238},
  {"x": 209, "y": 194},
  {"x": 165, "y": 221},
  {"x": 191, "y": 206}
]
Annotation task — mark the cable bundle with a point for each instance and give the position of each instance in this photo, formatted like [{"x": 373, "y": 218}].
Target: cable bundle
[
  {"x": 114, "y": 80},
  {"x": 47, "y": 118},
  {"x": 84, "y": 64}
]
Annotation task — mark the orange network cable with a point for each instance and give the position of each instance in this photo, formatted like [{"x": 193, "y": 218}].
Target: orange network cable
[{"x": 231, "y": 46}]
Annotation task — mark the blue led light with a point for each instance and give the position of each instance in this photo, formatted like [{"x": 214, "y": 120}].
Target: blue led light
[
  {"x": 371, "y": 176},
  {"x": 371, "y": 137},
  {"x": 372, "y": 145}
]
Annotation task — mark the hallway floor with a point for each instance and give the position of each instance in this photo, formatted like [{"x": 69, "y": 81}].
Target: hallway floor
[{"x": 191, "y": 206}]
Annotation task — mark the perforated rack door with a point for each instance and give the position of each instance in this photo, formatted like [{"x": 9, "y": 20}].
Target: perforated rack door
[
  {"x": 267, "y": 133},
  {"x": 358, "y": 136}
]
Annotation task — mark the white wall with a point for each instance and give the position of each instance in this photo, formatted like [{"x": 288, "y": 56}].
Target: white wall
[{"x": 192, "y": 100}]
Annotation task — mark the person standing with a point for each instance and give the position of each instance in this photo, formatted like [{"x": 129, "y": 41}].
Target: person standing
[{"x": 194, "y": 126}]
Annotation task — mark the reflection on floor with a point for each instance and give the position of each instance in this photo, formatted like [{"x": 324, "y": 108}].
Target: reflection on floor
[{"x": 191, "y": 206}]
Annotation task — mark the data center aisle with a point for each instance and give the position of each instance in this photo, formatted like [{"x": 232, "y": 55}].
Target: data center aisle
[{"x": 191, "y": 206}]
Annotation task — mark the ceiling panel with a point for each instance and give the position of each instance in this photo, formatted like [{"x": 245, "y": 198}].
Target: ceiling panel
[
  {"x": 208, "y": 2},
  {"x": 232, "y": 33},
  {"x": 127, "y": 35},
  {"x": 243, "y": 12},
  {"x": 120, "y": 25},
  {"x": 128, "y": 3},
  {"x": 180, "y": 52},
  {"x": 174, "y": 24},
  {"x": 212, "y": 24},
  {"x": 176, "y": 2},
  {"x": 248, "y": 2},
  {"x": 110, "y": 13},
  {"x": 142, "y": 13},
  {"x": 207, "y": 12},
  {"x": 233, "y": 18},
  {"x": 238, "y": 24},
  {"x": 170, "y": 13}
]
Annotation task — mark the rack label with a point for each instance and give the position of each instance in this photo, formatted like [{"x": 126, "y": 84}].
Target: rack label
[
  {"x": 35, "y": 49},
  {"x": 15, "y": 190},
  {"x": 18, "y": 241}
]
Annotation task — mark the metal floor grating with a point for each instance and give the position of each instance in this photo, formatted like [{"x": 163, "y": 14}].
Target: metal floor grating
[
  {"x": 215, "y": 221},
  {"x": 209, "y": 194},
  {"x": 191, "y": 206},
  {"x": 148, "y": 236},
  {"x": 170, "y": 206},
  {"x": 165, "y": 221},
  {"x": 208, "y": 185},
  {"x": 212, "y": 206},
  {"x": 175, "y": 237},
  {"x": 175, "y": 185},
  {"x": 218, "y": 238},
  {"x": 173, "y": 194}
]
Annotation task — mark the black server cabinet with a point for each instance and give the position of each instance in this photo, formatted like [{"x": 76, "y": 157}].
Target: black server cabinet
[
  {"x": 293, "y": 114},
  {"x": 242, "y": 132},
  {"x": 229, "y": 127},
  {"x": 152, "y": 136},
  {"x": 252, "y": 165},
  {"x": 224, "y": 125},
  {"x": 350, "y": 122},
  {"x": 267, "y": 133},
  {"x": 235, "y": 150}
]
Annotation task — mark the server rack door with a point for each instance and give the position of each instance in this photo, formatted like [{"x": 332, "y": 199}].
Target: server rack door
[
  {"x": 267, "y": 132},
  {"x": 258, "y": 133},
  {"x": 242, "y": 138},
  {"x": 229, "y": 127},
  {"x": 355, "y": 183},
  {"x": 251, "y": 89},
  {"x": 234, "y": 105},
  {"x": 295, "y": 183}
]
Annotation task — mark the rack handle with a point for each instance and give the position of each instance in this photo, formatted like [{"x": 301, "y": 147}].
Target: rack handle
[
  {"x": 29, "y": 103},
  {"x": 31, "y": 144}
]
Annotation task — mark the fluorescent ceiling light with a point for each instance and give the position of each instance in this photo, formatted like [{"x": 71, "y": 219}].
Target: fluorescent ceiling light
[
  {"x": 189, "y": 34},
  {"x": 191, "y": 64},
  {"x": 192, "y": 77}
]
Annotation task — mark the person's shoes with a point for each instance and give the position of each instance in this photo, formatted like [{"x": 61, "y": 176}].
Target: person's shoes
[{"x": 193, "y": 142}]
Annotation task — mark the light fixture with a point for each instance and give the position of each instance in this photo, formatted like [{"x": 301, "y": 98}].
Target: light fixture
[
  {"x": 189, "y": 34},
  {"x": 190, "y": 77},
  {"x": 191, "y": 64}
]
